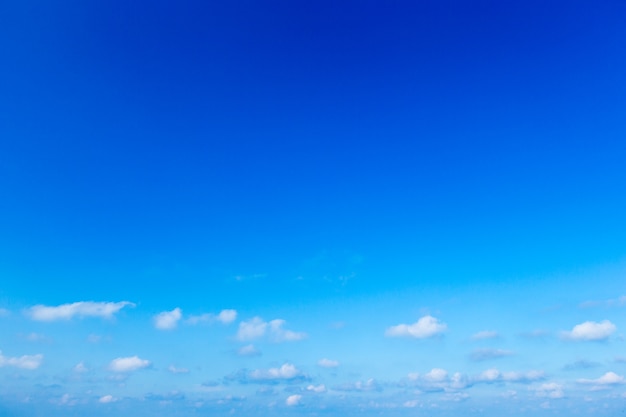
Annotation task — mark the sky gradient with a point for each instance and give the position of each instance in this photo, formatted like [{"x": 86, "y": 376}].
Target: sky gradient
[{"x": 326, "y": 208}]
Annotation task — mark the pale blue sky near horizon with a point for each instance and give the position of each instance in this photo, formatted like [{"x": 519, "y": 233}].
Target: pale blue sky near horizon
[{"x": 291, "y": 208}]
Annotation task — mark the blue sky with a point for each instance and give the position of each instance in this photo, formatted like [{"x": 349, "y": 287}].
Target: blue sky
[{"x": 325, "y": 208}]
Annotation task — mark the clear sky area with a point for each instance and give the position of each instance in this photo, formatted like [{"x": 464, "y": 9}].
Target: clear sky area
[{"x": 312, "y": 208}]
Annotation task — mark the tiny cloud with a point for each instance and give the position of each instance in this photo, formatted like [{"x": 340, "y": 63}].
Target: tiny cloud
[
  {"x": 176, "y": 370},
  {"x": 590, "y": 331},
  {"x": 328, "y": 363},
  {"x": 78, "y": 309},
  {"x": 168, "y": 320},
  {"x": 425, "y": 327},
  {"x": 128, "y": 364},
  {"x": 317, "y": 389},
  {"x": 293, "y": 400},
  {"x": 29, "y": 362},
  {"x": 105, "y": 399}
]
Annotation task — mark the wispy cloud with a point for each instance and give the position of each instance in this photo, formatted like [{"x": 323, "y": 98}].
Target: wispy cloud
[
  {"x": 494, "y": 375},
  {"x": 80, "y": 309},
  {"x": 590, "y": 331},
  {"x": 257, "y": 328},
  {"x": 485, "y": 334},
  {"x": 486, "y": 354},
  {"x": 328, "y": 363},
  {"x": 613, "y": 302},
  {"x": 606, "y": 380},
  {"x": 248, "y": 350},
  {"x": 174, "y": 370},
  {"x": 29, "y": 362},
  {"x": 225, "y": 317},
  {"x": 425, "y": 327},
  {"x": 360, "y": 386},
  {"x": 286, "y": 372}
]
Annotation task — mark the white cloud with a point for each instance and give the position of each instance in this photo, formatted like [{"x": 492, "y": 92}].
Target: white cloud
[
  {"x": 360, "y": 386},
  {"x": 105, "y": 399},
  {"x": 176, "y": 370},
  {"x": 286, "y": 371},
  {"x": 549, "y": 390},
  {"x": 425, "y": 327},
  {"x": 78, "y": 309},
  {"x": 494, "y": 375},
  {"x": 80, "y": 368},
  {"x": 129, "y": 364},
  {"x": 248, "y": 350},
  {"x": 590, "y": 331},
  {"x": 227, "y": 316},
  {"x": 610, "y": 378},
  {"x": 256, "y": 328},
  {"x": 29, "y": 362},
  {"x": 485, "y": 334},
  {"x": 168, "y": 320},
  {"x": 293, "y": 400},
  {"x": 317, "y": 389},
  {"x": 224, "y": 317},
  {"x": 436, "y": 375},
  {"x": 328, "y": 363}
]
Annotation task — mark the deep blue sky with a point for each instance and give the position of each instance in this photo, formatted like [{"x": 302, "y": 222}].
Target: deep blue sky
[{"x": 279, "y": 156}]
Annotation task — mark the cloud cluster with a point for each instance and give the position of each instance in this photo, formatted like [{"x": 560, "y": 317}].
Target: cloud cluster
[
  {"x": 29, "y": 362},
  {"x": 257, "y": 328},
  {"x": 360, "y": 386},
  {"x": 425, "y": 327},
  {"x": 590, "y": 331},
  {"x": 80, "y": 309}
]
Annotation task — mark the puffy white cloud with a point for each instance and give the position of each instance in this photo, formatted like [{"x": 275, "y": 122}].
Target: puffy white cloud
[
  {"x": 227, "y": 316},
  {"x": 29, "y": 362},
  {"x": 425, "y": 327},
  {"x": 317, "y": 388},
  {"x": 286, "y": 372},
  {"x": 293, "y": 400},
  {"x": 590, "y": 331},
  {"x": 328, "y": 363},
  {"x": 610, "y": 378},
  {"x": 168, "y": 320},
  {"x": 128, "y": 364},
  {"x": 487, "y": 354},
  {"x": 78, "y": 309},
  {"x": 224, "y": 317},
  {"x": 485, "y": 334},
  {"x": 248, "y": 350},
  {"x": 176, "y": 370},
  {"x": 256, "y": 328},
  {"x": 105, "y": 399}
]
